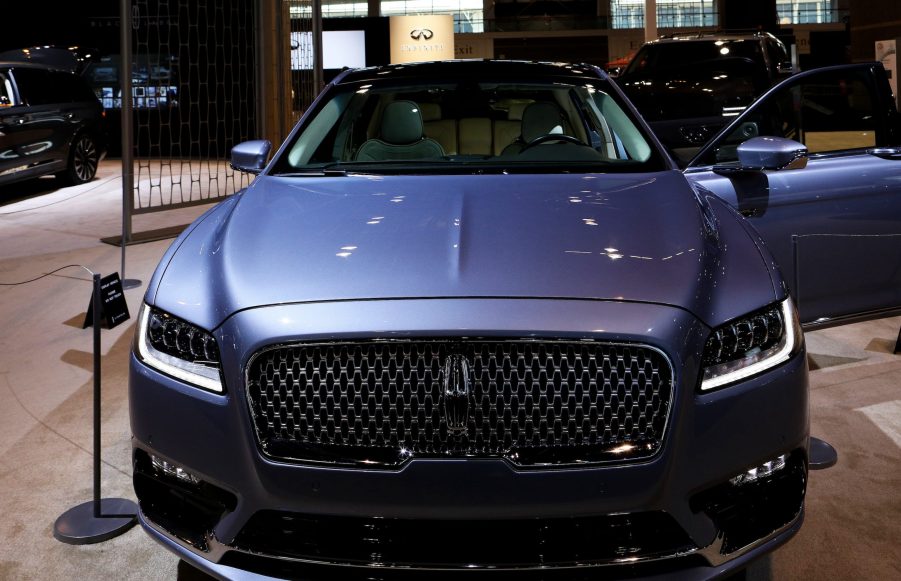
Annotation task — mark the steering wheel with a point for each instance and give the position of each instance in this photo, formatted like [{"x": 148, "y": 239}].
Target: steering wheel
[{"x": 551, "y": 137}]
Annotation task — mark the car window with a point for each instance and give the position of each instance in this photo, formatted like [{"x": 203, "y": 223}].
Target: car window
[
  {"x": 828, "y": 112},
  {"x": 71, "y": 88},
  {"x": 7, "y": 97},
  {"x": 777, "y": 54},
  {"x": 693, "y": 79},
  {"x": 657, "y": 58},
  {"x": 459, "y": 125},
  {"x": 35, "y": 86},
  {"x": 45, "y": 87}
]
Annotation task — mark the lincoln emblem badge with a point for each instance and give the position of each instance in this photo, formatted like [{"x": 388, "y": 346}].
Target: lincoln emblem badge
[{"x": 456, "y": 394}]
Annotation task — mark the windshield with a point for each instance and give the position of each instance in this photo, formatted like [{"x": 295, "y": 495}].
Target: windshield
[
  {"x": 469, "y": 126},
  {"x": 693, "y": 79},
  {"x": 663, "y": 60}
]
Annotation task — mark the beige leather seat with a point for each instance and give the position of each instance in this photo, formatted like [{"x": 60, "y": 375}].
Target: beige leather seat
[
  {"x": 538, "y": 119},
  {"x": 507, "y": 131},
  {"x": 475, "y": 136},
  {"x": 444, "y": 131}
]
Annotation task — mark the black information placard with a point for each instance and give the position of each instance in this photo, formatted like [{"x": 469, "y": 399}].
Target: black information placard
[{"x": 113, "y": 308}]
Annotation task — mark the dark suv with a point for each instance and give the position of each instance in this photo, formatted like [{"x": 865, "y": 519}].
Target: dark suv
[
  {"x": 50, "y": 123},
  {"x": 689, "y": 86}
]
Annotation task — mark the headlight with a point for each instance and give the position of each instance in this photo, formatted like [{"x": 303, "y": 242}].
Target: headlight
[
  {"x": 178, "y": 348},
  {"x": 750, "y": 345}
]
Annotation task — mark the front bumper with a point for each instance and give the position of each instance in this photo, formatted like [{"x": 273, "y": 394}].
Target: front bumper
[
  {"x": 682, "y": 494},
  {"x": 696, "y": 570}
]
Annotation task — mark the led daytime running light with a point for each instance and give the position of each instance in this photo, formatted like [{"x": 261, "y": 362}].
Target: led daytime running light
[
  {"x": 763, "y": 471},
  {"x": 756, "y": 360},
  {"x": 173, "y": 470}
]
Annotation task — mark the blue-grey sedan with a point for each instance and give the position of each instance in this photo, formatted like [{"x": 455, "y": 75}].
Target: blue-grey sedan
[{"x": 472, "y": 319}]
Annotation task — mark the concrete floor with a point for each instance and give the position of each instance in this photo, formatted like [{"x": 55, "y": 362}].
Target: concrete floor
[{"x": 853, "y": 521}]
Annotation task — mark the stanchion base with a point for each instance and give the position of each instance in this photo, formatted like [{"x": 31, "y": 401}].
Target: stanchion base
[
  {"x": 822, "y": 454},
  {"x": 131, "y": 283},
  {"x": 79, "y": 526}
]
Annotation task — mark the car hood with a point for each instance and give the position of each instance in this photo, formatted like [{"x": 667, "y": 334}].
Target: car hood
[{"x": 635, "y": 237}]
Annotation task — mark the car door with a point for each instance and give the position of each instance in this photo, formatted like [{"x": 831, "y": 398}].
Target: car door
[
  {"x": 15, "y": 129},
  {"x": 44, "y": 127},
  {"x": 833, "y": 226}
]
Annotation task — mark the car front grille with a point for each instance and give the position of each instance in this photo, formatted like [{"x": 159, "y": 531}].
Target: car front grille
[{"x": 534, "y": 403}]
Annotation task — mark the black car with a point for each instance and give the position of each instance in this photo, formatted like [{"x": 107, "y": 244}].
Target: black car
[
  {"x": 688, "y": 87},
  {"x": 50, "y": 123}
]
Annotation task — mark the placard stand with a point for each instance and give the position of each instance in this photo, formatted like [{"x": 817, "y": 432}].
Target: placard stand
[{"x": 96, "y": 520}]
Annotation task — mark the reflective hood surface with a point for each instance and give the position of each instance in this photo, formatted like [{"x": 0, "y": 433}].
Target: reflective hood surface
[{"x": 636, "y": 237}]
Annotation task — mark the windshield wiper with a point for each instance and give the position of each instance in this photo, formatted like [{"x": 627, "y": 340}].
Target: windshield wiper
[{"x": 317, "y": 172}]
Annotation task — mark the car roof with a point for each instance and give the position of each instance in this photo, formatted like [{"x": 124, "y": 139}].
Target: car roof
[
  {"x": 704, "y": 36},
  {"x": 29, "y": 65},
  {"x": 479, "y": 69}
]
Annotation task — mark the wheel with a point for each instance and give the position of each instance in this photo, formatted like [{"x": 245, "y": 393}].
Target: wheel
[
  {"x": 83, "y": 161},
  {"x": 552, "y": 137}
]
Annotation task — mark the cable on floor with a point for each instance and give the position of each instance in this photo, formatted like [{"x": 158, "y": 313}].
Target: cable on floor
[{"x": 52, "y": 272}]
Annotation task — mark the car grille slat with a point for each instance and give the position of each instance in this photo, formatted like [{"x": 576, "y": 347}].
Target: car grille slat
[{"x": 531, "y": 402}]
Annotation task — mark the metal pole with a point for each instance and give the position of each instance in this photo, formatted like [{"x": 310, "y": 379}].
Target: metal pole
[
  {"x": 260, "y": 60},
  {"x": 95, "y": 305},
  {"x": 282, "y": 14},
  {"x": 128, "y": 172},
  {"x": 318, "y": 77},
  {"x": 650, "y": 20},
  {"x": 127, "y": 121}
]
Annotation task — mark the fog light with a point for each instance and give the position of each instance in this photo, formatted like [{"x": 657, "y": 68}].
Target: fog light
[
  {"x": 762, "y": 471},
  {"x": 170, "y": 469}
]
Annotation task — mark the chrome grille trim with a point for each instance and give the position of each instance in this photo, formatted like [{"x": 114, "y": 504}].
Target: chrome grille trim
[{"x": 379, "y": 403}]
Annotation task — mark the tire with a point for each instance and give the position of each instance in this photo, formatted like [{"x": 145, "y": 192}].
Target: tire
[{"x": 83, "y": 160}]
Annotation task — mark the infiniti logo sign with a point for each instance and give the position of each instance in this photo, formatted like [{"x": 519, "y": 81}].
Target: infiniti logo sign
[
  {"x": 456, "y": 394},
  {"x": 423, "y": 33}
]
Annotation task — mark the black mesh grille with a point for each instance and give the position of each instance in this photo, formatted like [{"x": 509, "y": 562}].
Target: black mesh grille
[{"x": 534, "y": 403}]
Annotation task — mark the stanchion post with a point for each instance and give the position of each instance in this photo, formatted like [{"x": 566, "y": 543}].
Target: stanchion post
[
  {"x": 98, "y": 519},
  {"x": 95, "y": 304}
]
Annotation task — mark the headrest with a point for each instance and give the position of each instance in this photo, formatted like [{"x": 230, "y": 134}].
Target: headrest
[
  {"x": 401, "y": 123},
  {"x": 516, "y": 111},
  {"x": 430, "y": 111},
  {"x": 540, "y": 119}
]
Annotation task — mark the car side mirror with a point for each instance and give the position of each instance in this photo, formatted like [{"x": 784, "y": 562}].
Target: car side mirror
[
  {"x": 785, "y": 68},
  {"x": 774, "y": 153},
  {"x": 251, "y": 156}
]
